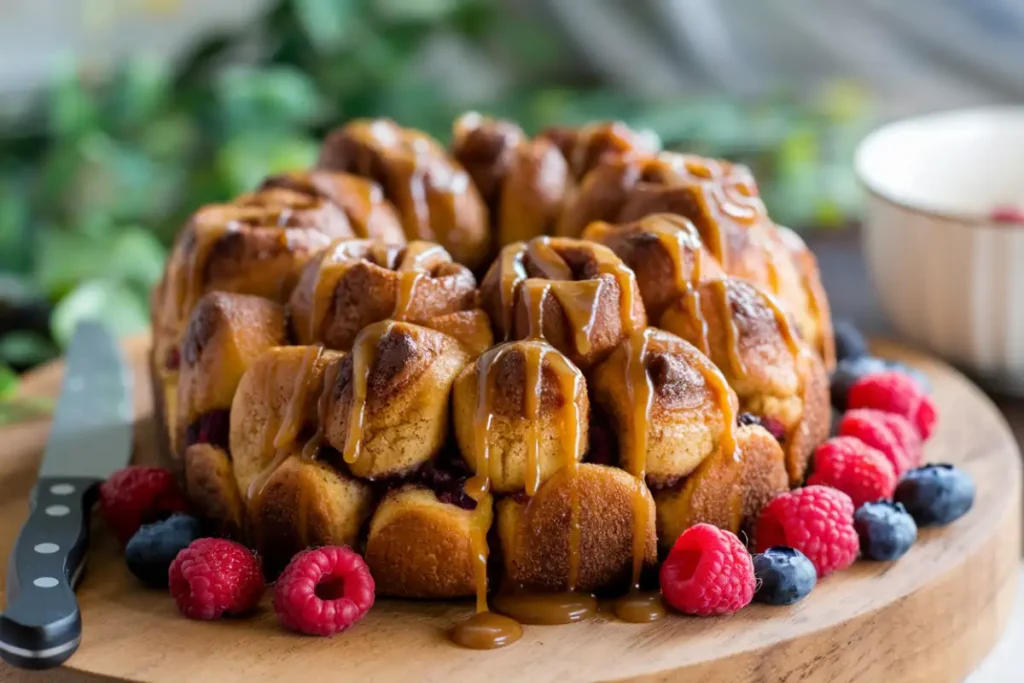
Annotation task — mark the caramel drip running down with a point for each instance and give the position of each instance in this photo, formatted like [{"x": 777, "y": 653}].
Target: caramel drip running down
[
  {"x": 407, "y": 281},
  {"x": 320, "y": 299},
  {"x": 512, "y": 274},
  {"x": 206, "y": 238},
  {"x": 732, "y": 334},
  {"x": 312, "y": 447},
  {"x": 480, "y": 483},
  {"x": 692, "y": 302},
  {"x": 636, "y": 606},
  {"x": 714, "y": 378},
  {"x": 364, "y": 355},
  {"x": 285, "y": 429}
]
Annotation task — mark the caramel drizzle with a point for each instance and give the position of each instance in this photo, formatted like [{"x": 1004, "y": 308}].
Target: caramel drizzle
[
  {"x": 321, "y": 299},
  {"x": 364, "y": 355},
  {"x": 312, "y": 446},
  {"x": 411, "y": 271},
  {"x": 285, "y": 428},
  {"x": 732, "y": 333},
  {"x": 206, "y": 237},
  {"x": 513, "y": 272},
  {"x": 640, "y": 395}
]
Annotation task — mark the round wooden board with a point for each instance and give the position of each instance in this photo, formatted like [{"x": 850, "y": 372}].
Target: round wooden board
[{"x": 932, "y": 616}]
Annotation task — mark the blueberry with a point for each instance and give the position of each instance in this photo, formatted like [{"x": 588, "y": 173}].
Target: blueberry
[
  {"x": 886, "y": 530},
  {"x": 850, "y": 343},
  {"x": 850, "y": 370},
  {"x": 936, "y": 494},
  {"x": 151, "y": 550},
  {"x": 784, "y": 575}
]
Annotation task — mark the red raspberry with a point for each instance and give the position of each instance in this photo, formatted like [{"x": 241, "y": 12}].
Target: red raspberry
[
  {"x": 817, "y": 521},
  {"x": 856, "y": 469},
  {"x": 323, "y": 591},
  {"x": 891, "y": 434},
  {"x": 213, "y": 577},
  {"x": 139, "y": 495},
  {"x": 895, "y": 392},
  {"x": 708, "y": 572}
]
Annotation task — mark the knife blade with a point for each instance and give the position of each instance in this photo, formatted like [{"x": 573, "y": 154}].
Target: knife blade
[{"x": 91, "y": 437}]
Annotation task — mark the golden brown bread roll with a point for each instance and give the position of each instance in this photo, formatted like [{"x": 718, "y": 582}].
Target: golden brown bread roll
[
  {"x": 420, "y": 547},
  {"x": 225, "y": 335},
  {"x": 538, "y": 548},
  {"x": 355, "y": 283},
  {"x": 577, "y": 295},
  {"x": 305, "y": 503},
  {"x": 212, "y": 492},
  {"x": 665, "y": 253},
  {"x": 521, "y": 412},
  {"x": 727, "y": 489},
  {"x": 524, "y": 182},
  {"x": 386, "y": 404},
  {"x": 669, "y": 405},
  {"x": 369, "y": 214},
  {"x": 721, "y": 200},
  {"x": 433, "y": 194},
  {"x": 752, "y": 340},
  {"x": 589, "y": 145}
]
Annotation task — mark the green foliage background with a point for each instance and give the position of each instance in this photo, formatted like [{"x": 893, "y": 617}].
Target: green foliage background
[{"x": 96, "y": 180}]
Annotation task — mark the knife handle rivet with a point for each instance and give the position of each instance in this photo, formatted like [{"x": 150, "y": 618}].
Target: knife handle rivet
[
  {"x": 62, "y": 489},
  {"x": 45, "y": 582},
  {"x": 57, "y": 510},
  {"x": 46, "y": 548}
]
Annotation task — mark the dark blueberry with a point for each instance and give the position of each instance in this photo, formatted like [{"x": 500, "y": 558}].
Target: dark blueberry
[
  {"x": 936, "y": 494},
  {"x": 746, "y": 419},
  {"x": 886, "y": 530},
  {"x": 850, "y": 343},
  {"x": 784, "y": 575},
  {"x": 151, "y": 550}
]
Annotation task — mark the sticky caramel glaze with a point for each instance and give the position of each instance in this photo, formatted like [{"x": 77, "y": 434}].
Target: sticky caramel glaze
[
  {"x": 280, "y": 432},
  {"x": 484, "y": 630},
  {"x": 364, "y": 355},
  {"x": 545, "y": 609},
  {"x": 312, "y": 446},
  {"x": 579, "y": 303},
  {"x": 205, "y": 238},
  {"x": 487, "y": 631}
]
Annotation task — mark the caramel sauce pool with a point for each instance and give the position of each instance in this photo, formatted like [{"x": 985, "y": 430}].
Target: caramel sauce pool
[
  {"x": 545, "y": 608},
  {"x": 487, "y": 631}
]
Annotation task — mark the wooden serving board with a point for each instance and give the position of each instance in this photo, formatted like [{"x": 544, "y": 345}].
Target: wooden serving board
[{"x": 932, "y": 616}]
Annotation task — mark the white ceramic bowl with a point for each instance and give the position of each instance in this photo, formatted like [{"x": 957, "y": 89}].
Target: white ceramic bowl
[{"x": 949, "y": 276}]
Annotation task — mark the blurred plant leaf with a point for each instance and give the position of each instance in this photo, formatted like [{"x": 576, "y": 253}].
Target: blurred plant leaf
[
  {"x": 73, "y": 108},
  {"x": 139, "y": 90},
  {"x": 245, "y": 160},
  {"x": 8, "y": 381},
  {"x": 25, "y": 348},
  {"x": 273, "y": 97},
  {"x": 327, "y": 23},
  {"x": 113, "y": 303}
]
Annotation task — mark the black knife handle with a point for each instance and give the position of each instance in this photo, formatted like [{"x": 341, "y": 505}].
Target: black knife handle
[{"x": 42, "y": 626}]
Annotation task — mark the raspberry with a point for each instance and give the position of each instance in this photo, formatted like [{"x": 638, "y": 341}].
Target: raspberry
[
  {"x": 856, "y": 469},
  {"x": 213, "y": 577},
  {"x": 708, "y": 572},
  {"x": 895, "y": 392},
  {"x": 139, "y": 495},
  {"x": 323, "y": 591},
  {"x": 817, "y": 521},
  {"x": 891, "y": 434}
]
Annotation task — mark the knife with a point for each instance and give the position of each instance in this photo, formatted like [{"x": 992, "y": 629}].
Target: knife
[{"x": 91, "y": 438}]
